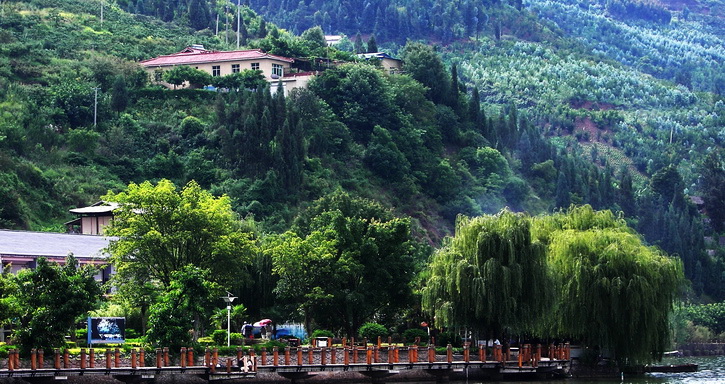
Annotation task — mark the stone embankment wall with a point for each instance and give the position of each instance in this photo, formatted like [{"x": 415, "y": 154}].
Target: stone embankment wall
[{"x": 702, "y": 349}]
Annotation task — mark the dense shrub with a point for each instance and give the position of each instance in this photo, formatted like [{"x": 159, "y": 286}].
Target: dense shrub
[
  {"x": 409, "y": 335},
  {"x": 322, "y": 333},
  {"x": 371, "y": 331}
]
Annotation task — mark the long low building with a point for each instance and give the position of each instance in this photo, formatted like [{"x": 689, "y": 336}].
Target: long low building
[{"x": 22, "y": 249}]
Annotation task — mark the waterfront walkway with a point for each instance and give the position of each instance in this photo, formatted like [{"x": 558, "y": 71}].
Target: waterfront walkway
[{"x": 378, "y": 363}]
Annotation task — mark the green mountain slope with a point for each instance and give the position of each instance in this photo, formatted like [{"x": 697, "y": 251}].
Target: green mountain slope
[{"x": 518, "y": 109}]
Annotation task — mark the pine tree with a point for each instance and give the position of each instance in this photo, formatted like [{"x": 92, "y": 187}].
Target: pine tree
[
  {"x": 372, "y": 46},
  {"x": 358, "y": 45},
  {"x": 119, "y": 94},
  {"x": 199, "y": 14}
]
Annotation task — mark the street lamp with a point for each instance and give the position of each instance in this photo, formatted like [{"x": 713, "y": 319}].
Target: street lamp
[{"x": 229, "y": 299}]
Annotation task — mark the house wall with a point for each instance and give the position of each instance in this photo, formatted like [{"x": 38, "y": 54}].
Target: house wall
[
  {"x": 391, "y": 66},
  {"x": 93, "y": 225},
  {"x": 265, "y": 65}
]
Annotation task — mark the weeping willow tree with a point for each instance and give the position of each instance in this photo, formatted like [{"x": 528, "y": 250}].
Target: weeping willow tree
[
  {"x": 614, "y": 291},
  {"x": 490, "y": 276}
]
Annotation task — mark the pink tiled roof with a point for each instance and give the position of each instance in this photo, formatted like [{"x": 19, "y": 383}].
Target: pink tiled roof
[{"x": 197, "y": 56}]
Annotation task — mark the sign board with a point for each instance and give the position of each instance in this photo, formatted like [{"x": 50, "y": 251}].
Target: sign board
[{"x": 105, "y": 330}]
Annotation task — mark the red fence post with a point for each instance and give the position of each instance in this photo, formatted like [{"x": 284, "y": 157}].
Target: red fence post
[
  {"x": 449, "y": 353},
  {"x": 108, "y": 358},
  {"x": 133, "y": 358},
  {"x": 56, "y": 358},
  {"x": 264, "y": 356},
  {"x": 190, "y": 357},
  {"x": 33, "y": 359},
  {"x": 287, "y": 359},
  {"x": 275, "y": 356},
  {"x": 182, "y": 358},
  {"x": 41, "y": 364},
  {"x": 299, "y": 356},
  {"x": 83, "y": 358},
  {"x": 66, "y": 359},
  {"x": 142, "y": 358},
  {"x": 117, "y": 358},
  {"x": 159, "y": 363},
  {"x": 91, "y": 358}
]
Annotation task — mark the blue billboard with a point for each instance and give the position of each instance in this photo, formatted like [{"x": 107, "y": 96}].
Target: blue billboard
[{"x": 104, "y": 330}]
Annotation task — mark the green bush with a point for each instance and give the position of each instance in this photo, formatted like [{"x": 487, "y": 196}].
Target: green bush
[
  {"x": 4, "y": 350},
  {"x": 322, "y": 333},
  {"x": 236, "y": 338},
  {"x": 131, "y": 333},
  {"x": 371, "y": 331},
  {"x": 219, "y": 336},
  {"x": 409, "y": 335},
  {"x": 445, "y": 338},
  {"x": 82, "y": 334},
  {"x": 270, "y": 345}
]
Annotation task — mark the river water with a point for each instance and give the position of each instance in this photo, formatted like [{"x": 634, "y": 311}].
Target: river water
[{"x": 711, "y": 370}]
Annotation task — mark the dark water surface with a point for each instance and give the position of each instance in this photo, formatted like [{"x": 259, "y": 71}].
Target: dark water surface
[{"x": 711, "y": 370}]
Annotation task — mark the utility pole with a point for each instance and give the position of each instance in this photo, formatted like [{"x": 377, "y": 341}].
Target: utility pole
[
  {"x": 95, "y": 107},
  {"x": 101, "y": 12},
  {"x": 238, "y": 22},
  {"x": 226, "y": 24}
]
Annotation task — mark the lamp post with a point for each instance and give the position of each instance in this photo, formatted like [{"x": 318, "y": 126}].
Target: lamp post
[{"x": 229, "y": 299}]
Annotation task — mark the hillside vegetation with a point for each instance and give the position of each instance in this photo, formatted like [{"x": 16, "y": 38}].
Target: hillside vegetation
[{"x": 532, "y": 105}]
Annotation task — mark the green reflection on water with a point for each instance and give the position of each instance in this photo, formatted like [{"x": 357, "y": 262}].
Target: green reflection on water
[{"x": 711, "y": 370}]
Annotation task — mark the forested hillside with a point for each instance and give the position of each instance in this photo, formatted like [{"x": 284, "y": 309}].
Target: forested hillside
[{"x": 534, "y": 105}]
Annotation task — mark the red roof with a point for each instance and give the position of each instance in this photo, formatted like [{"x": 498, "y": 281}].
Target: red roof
[{"x": 199, "y": 56}]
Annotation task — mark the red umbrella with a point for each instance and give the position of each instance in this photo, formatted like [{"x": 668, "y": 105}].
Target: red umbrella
[{"x": 262, "y": 323}]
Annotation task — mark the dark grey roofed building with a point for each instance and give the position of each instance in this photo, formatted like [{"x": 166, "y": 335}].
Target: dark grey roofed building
[{"x": 21, "y": 249}]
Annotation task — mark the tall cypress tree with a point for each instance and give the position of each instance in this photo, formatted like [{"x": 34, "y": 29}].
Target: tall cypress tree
[{"x": 372, "y": 45}]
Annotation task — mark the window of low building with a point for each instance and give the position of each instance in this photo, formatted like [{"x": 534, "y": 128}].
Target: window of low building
[
  {"x": 277, "y": 69},
  {"x": 235, "y": 68},
  {"x": 216, "y": 70},
  {"x": 255, "y": 66}
]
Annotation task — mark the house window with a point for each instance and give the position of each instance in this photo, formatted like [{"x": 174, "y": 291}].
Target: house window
[
  {"x": 255, "y": 66},
  {"x": 235, "y": 68},
  {"x": 216, "y": 70},
  {"x": 277, "y": 69}
]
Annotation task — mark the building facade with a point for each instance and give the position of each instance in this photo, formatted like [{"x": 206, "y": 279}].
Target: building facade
[{"x": 274, "y": 68}]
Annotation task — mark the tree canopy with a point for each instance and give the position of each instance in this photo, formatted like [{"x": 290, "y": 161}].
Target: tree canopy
[
  {"x": 49, "y": 299},
  {"x": 345, "y": 261},
  {"x": 160, "y": 230},
  {"x": 614, "y": 291},
  {"x": 490, "y": 276}
]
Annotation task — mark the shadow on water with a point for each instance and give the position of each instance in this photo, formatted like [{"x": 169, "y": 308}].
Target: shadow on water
[{"x": 711, "y": 370}]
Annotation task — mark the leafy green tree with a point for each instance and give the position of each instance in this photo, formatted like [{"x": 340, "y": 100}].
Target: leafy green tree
[
  {"x": 175, "y": 321},
  {"x": 184, "y": 73},
  {"x": 614, "y": 291},
  {"x": 315, "y": 39},
  {"x": 384, "y": 157},
  {"x": 424, "y": 65},
  {"x": 359, "y": 95},
  {"x": 160, "y": 230},
  {"x": 50, "y": 298},
  {"x": 490, "y": 277},
  {"x": 346, "y": 261},
  {"x": 8, "y": 300},
  {"x": 246, "y": 79}
]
